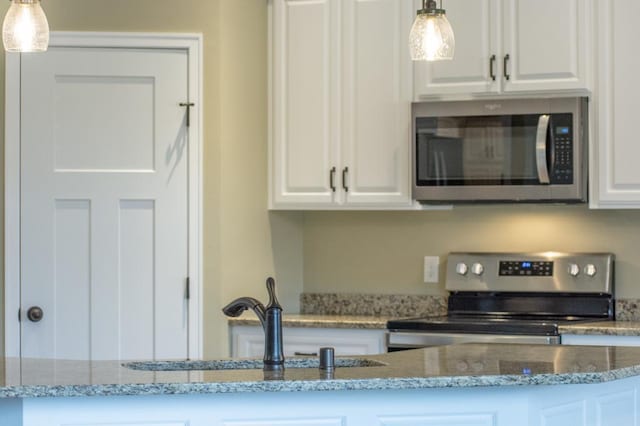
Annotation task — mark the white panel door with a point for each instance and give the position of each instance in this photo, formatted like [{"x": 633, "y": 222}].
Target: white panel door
[
  {"x": 615, "y": 177},
  {"x": 305, "y": 116},
  {"x": 376, "y": 96},
  {"x": 476, "y": 66},
  {"x": 548, "y": 44},
  {"x": 104, "y": 198}
]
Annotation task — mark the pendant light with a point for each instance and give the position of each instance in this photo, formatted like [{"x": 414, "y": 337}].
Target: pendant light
[
  {"x": 431, "y": 37},
  {"x": 25, "y": 27}
]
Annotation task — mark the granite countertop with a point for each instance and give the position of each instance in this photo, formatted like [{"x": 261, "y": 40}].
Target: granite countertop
[
  {"x": 321, "y": 321},
  {"x": 607, "y": 328},
  {"x": 468, "y": 365}
]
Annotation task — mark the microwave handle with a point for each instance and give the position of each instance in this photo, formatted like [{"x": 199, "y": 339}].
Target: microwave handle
[{"x": 541, "y": 149}]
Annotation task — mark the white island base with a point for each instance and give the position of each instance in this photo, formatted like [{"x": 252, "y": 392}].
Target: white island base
[{"x": 612, "y": 403}]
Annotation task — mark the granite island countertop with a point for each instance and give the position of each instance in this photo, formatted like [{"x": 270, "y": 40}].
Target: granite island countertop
[
  {"x": 321, "y": 321},
  {"x": 609, "y": 328},
  {"x": 605, "y": 328},
  {"x": 468, "y": 365}
]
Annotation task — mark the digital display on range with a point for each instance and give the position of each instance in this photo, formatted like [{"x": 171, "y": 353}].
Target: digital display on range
[{"x": 525, "y": 268}]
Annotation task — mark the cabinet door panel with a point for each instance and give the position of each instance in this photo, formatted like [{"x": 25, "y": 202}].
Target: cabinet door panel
[
  {"x": 302, "y": 101},
  {"x": 616, "y": 177},
  {"x": 376, "y": 101},
  {"x": 476, "y": 30},
  {"x": 548, "y": 44}
]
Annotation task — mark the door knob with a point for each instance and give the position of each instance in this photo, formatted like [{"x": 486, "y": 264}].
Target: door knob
[{"x": 35, "y": 313}]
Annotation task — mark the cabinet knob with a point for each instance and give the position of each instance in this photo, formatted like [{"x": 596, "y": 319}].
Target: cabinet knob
[{"x": 35, "y": 314}]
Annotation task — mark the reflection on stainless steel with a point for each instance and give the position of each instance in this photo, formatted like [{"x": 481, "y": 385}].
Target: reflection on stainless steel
[
  {"x": 513, "y": 298},
  {"x": 524, "y": 360},
  {"x": 560, "y": 281}
]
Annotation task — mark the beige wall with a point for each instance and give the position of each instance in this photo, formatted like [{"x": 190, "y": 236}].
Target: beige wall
[
  {"x": 376, "y": 252},
  {"x": 382, "y": 252},
  {"x": 240, "y": 236}
]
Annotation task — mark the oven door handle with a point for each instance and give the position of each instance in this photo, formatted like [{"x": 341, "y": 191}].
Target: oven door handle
[{"x": 541, "y": 148}]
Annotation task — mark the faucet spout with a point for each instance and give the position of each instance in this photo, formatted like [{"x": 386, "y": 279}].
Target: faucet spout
[
  {"x": 271, "y": 320},
  {"x": 238, "y": 306}
]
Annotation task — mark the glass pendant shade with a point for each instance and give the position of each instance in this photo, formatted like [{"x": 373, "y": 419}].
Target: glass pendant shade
[
  {"x": 431, "y": 37},
  {"x": 25, "y": 27}
]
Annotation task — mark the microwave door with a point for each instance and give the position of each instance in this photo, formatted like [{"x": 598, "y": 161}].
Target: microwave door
[{"x": 541, "y": 149}]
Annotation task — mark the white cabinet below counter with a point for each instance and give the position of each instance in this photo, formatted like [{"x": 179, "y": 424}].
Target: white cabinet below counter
[{"x": 248, "y": 341}]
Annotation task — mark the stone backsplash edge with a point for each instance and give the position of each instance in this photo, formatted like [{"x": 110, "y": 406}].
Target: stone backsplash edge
[
  {"x": 409, "y": 305},
  {"x": 372, "y": 304}
]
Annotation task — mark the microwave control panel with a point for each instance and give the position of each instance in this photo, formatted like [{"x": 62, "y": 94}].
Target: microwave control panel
[{"x": 562, "y": 137}]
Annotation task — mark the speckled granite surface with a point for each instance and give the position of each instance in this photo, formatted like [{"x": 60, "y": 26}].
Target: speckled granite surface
[
  {"x": 372, "y": 304},
  {"x": 628, "y": 309},
  {"x": 608, "y": 328},
  {"x": 469, "y": 365},
  {"x": 320, "y": 321}
]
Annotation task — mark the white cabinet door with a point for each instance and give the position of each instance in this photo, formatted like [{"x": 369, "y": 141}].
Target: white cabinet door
[
  {"x": 248, "y": 341},
  {"x": 376, "y": 102},
  {"x": 304, "y": 109},
  {"x": 512, "y": 46},
  {"x": 615, "y": 175},
  {"x": 340, "y": 104},
  {"x": 475, "y": 67},
  {"x": 548, "y": 43}
]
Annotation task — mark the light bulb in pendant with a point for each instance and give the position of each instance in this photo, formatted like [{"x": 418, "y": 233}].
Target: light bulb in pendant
[
  {"x": 25, "y": 27},
  {"x": 431, "y": 37}
]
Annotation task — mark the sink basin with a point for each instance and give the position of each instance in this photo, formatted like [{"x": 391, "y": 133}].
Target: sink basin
[{"x": 244, "y": 364}]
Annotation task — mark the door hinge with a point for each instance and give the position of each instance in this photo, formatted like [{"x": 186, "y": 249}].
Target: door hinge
[
  {"x": 188, "y": 105},
  {"x": 187, "y": 292}
]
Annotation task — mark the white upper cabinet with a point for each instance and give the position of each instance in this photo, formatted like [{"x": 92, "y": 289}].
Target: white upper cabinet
[
  {"x": 615, "y": 181},
  {"x": 512, "y": 46},
  {"x": 341, "y": 90}
]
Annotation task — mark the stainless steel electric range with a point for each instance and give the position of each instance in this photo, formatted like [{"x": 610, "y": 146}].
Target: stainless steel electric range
[{"x": 513, "y": 298}]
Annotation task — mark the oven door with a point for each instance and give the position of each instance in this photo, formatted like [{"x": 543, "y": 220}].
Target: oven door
[{"x": 401, "y": 340}]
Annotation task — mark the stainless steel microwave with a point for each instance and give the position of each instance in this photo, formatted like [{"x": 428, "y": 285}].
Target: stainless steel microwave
[{"x": 531, "y": 150}]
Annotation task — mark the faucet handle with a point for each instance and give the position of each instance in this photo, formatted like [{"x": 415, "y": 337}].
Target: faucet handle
[{"x": 271, "y": 289}]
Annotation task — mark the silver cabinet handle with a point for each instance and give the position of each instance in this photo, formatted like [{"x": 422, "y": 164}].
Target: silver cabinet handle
[
  {"x": 344, "y": 179},
  {"x": 492, "y": 63},
  {"x": 541, "y": 148},
  {"x": 332, "y": 176},
  {"x": 505, "y": 64}
]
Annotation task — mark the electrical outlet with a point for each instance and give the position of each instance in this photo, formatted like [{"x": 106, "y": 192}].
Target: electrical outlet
[{"x": 431, "y": 266}]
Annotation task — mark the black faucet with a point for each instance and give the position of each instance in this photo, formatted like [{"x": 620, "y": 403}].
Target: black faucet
[{"x": 271, "y": 320}]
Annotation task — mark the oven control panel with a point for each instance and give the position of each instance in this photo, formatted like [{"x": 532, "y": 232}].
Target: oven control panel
[
  {"x": 530, "y": 272},
  {"x": 523, "y": 268}
]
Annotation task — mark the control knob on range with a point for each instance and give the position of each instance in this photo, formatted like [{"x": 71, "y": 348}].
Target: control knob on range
[
  {"x": 477, "y": 268},
  {"x": 574, "y": 270},
  {"x": 462, "y": 268},
  {"x": 590, "y": 270}
]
